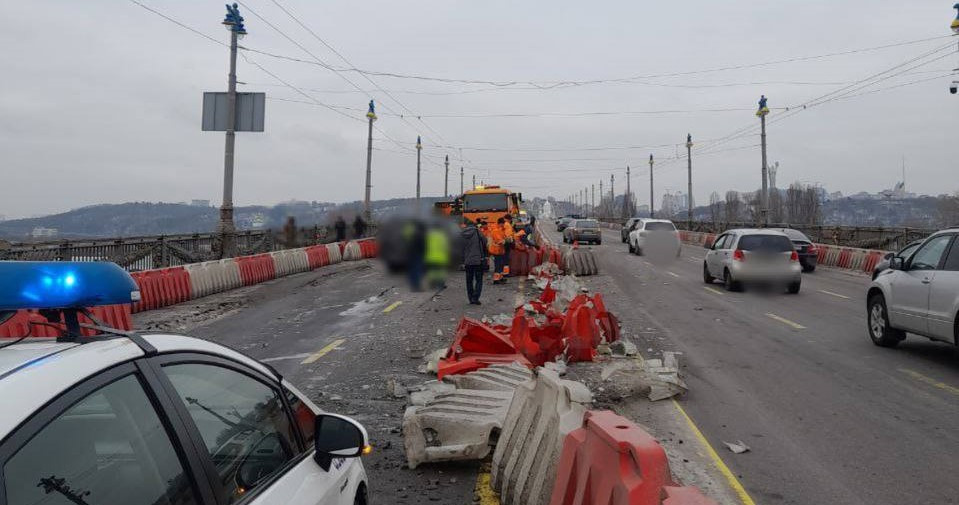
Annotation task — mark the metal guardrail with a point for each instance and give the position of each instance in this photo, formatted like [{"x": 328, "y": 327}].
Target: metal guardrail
[
  {"x": 865, "y": 237},
  {"x": 159, "y": 251}
]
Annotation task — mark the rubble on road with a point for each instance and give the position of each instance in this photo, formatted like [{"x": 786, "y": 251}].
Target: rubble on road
[{"x": 737, "y": 447}]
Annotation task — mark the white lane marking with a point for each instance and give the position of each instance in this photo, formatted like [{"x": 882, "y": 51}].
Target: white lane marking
[
  {"x": 713, "y": 290},
  {"x": 837, "y": 295},
  {"x": 648, "y": 263},
  {"x": 693, "y": 260},
  {"x": 670, "y": 273},
  {"x": 292, "y": 356},
  {"x": 785, "y": 321},
  {"x": 697, "y": 258}
]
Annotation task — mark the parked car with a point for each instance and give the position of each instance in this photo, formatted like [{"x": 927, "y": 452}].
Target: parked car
[
  {"x": 918, "y": 294},
  {"x": 740, "y": 257},
  {"x": 904, "y": 253},
  {"x": 654, "y": 235},
  {"x": 583, "y": 230},
  {"x": 628, "y": 226},
  {"x": 805, "y": 248}
]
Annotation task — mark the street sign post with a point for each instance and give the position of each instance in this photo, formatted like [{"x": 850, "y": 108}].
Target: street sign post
[{"x": 249, "y": 112}]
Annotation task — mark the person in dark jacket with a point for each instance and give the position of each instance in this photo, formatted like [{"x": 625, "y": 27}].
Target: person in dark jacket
[
  {"x": 359, "y": 227},
  {"x": 340, "y": 227},
  {"x": 474, "y": 261}
]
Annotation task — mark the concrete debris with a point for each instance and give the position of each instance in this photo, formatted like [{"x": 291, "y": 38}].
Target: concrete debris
[
  {"x": 623, "y": 347},
  {"x": 550, "y": 269},
  {"x": 498, "y": 320},
  {"x": 428, "y": 390},
  {"x": 566, "y": 287},
  {"x": 603, "y": 349},
  {"x": 738, "y": 447},
  {"x": 439, "y": 332},
  {"x": 558, "y": 366},
  {"x": 395, "y": 388},
  {"x": 433, "y": 360},
  {"x": 663, "y": 377}
]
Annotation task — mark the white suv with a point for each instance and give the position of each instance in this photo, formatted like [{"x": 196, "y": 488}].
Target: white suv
[
  {"x": 918, "y": 294},
  {"x": 155, "y": 419}
]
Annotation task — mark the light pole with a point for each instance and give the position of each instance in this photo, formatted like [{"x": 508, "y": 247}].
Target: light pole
[
  {"x": 227, "y": 232},
  {"x": 764, "y": 197},
  {"x": 689, "y": 169},
  {"x": 371, "y": 116},
  {"x": 652, "y": 203},
  {"x": 628, "y": 200},
  {"x": 954, "y": 87},
  {"x": 419, "y": 149},
  {"x": 461, "y": 179},
  {"x": 446, "y": 178}
]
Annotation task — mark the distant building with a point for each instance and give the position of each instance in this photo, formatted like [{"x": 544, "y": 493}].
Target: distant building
[
  {"x": 199, "y": 203},
  {"x": 674, "y": 203},
  {"x": 41, "y": 232}
]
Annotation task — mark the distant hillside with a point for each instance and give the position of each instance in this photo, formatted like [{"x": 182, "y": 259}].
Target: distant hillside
[{"x": 145, "y": 218}]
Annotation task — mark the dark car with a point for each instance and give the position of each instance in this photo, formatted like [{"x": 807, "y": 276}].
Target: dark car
[
  {"x": 563, "y": 223},
  {"x": 583, "y": 230},
  {"x": 903, "y": 253},
  {"x": 628, "y": 226},
  {"x": 805, "y": 248}
]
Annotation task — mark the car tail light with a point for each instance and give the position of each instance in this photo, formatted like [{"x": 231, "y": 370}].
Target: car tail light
[
  {"x": 812, "y": 249},
  {"x": 738, "y": 255},
  {"x": 794, "y": 256}
]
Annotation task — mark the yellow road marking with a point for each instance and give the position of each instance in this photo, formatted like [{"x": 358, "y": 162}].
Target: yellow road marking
[
  {"x": 713, "y": 290},
  {"x": 322, "y": 352},
  {"x": 837, "y": 295},
  {"x": 720, "y": 464},
  {"x": 670, "y": 273},
  {"x": 391, "y": 307},
  {"x": 929, "y": 380},
  {"x": 484, "y": 490},
  {"x": 785, "y": 321}
]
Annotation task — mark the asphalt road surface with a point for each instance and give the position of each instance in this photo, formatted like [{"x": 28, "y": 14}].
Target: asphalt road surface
[{"x": 829, "y": 417}]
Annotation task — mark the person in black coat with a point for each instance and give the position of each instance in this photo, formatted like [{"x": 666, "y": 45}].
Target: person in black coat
[{"x": 474, "y": 261}]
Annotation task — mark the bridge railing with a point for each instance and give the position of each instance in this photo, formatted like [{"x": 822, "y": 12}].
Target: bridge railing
[{"x": 159, "y": 251}]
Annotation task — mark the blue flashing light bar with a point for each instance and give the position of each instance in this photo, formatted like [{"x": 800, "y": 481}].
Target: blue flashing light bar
[{"x": 64, "y": 285}]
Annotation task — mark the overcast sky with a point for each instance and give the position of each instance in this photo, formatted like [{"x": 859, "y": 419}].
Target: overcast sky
[{"x": 100, "y": 99}]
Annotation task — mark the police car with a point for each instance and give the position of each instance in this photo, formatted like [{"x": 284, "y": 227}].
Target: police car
[{"x": 133, "y": 419}]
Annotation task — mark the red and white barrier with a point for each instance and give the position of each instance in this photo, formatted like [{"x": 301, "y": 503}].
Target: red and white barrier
[{"x": 168, "y": 286}]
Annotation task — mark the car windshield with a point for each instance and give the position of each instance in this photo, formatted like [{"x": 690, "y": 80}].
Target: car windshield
[
  {"x": 660, "y": 226},
  {"x": 587, "y": 223},
  {"x": 486, "y": 202},
  {"x": 767, "y": 243},
  {"x": 796, "y": 235}
]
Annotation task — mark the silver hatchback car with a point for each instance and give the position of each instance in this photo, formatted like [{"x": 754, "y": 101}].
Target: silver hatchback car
[
  {"x": 917, "y": 294},
  {"x": 739, "y": 257}
]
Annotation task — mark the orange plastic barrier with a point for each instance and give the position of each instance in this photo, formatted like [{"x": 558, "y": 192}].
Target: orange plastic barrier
[
  {"x": 318, "y": 256},
  {"x": 21, "y": 324},
  {"x": 161, "y": 287},
  {"x": 369, "y": 248},
  {"x": 611, "y": 461},
  {"x": 256, "y": 269},
  {"x": 476, "y": 346}
]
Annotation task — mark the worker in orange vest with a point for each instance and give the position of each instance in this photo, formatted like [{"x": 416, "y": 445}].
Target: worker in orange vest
[
  {"x": 510, "y": 236},
  {"x": 497, "y": 249}
]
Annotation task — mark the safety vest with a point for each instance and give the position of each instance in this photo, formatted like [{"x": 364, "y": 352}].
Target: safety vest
[
  {"x": 497, "y": 239},
  {"x": 437, "y": 248}
]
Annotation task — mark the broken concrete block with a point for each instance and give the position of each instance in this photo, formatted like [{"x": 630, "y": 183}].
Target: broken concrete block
[
  {"x": 623, "y": 347},
  {"x": 492, "y": 378},
  {"x": 427, "y": 392},
  {"x": 461, "y": 425}
]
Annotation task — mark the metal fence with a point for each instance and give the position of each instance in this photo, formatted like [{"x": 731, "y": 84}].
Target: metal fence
[
  {"x": 866, "y": 237},
  {"x": 143, "y": 253}
]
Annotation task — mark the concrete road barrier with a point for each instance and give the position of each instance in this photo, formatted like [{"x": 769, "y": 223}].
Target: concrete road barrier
[
  {"x": 461, "y": 425},
  {"x": 542, "y": 412},
  {"x": 579, "y": 261},
  {"x": 492, "y": 378}
]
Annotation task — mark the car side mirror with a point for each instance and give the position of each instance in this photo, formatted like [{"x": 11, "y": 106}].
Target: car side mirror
[
  {"x": 337, "y": 436},
  {"x": 889, "y": 256},
  {"x": 897, "y": 263}
]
